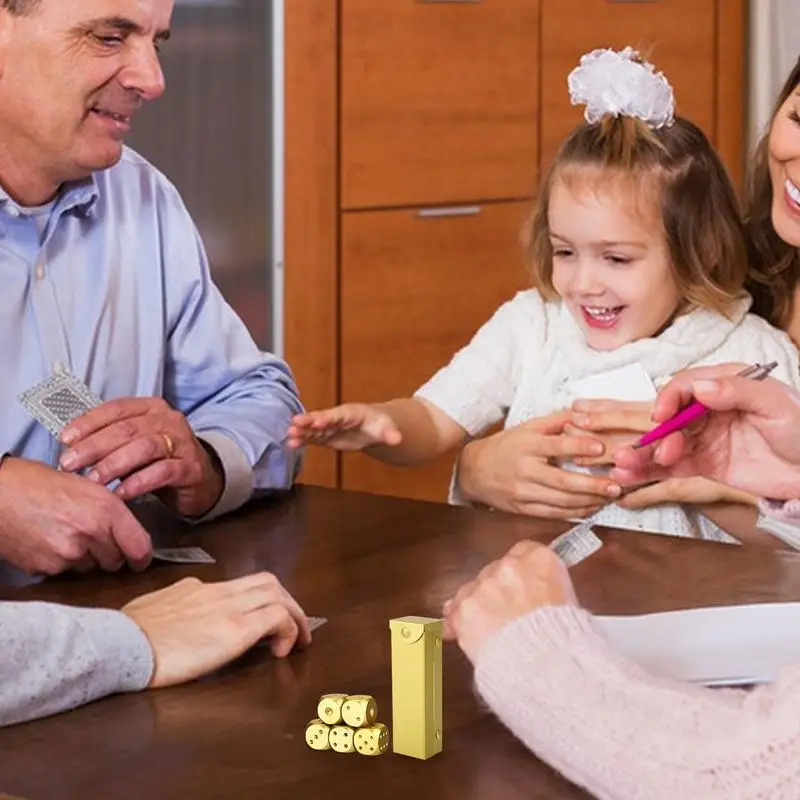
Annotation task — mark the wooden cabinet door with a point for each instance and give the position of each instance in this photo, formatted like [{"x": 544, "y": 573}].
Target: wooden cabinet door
[
  {"x": 414, "y": 289},
  {"x": 439, "y": 101},
  {"x": 677, "y": 36}
]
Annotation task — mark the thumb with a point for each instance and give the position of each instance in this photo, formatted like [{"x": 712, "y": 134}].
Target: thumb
[
  {"x": 765, "y": 399},
  {"x": 382, "y": 429}
]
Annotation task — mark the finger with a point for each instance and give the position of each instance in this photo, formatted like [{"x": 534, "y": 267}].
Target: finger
[
  {"x": 762, "y": 398},
  {"x": 279, "y": 625},
  {"x": 154, "y": 477},
  {"x": 85, "y": 564},
  {"x": 448, "y": 629},
  {"x": 104, "y": 415},
  {"x": 611, "y": 422},
  {"x": 383, "y": 430},
  {"x": 569, "y": 447},
  {"x": 573, "y": 483},
  {"x": 107, "y": 554},
  {"x": 564, "y": 500},
  {"x": 619, "y": 407},
  {"x": 648, "y": 496},
  {"x": 679, "y": 391},
  {"x": 130, "y": 457},
  {"x": 131, "y": 539}
]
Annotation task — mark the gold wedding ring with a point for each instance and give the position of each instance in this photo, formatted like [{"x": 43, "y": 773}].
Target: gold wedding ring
[{"x": 168, "y": 444}]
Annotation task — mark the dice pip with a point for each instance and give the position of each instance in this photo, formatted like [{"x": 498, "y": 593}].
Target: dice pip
[
  {"x": 341, "y": 739},
  {"x": 372, "y": 740},
  {"x": 359, "y": 710},
  {"x": 329, "y": 708},
  {"x": 318, "y": 735}
]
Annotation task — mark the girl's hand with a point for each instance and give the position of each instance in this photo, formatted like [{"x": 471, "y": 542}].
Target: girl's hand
[
  {"x": 353, "y": 426},
  {"x": 615, "y": 423}
]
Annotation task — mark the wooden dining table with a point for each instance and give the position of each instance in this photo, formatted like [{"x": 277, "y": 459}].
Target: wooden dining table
[{"x": 358, "y": 560}]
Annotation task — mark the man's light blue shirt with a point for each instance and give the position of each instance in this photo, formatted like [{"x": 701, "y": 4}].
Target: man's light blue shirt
[{"x": 112, "y": 284}]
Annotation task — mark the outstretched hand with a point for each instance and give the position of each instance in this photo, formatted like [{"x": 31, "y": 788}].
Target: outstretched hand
[{"x": 353, "y": 426}]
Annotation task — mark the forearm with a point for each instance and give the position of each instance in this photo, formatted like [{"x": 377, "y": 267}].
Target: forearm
[
  {"x": 426, "y": 433},
  {"x": 624, "y": 734},
  {"x": 54, "y": 658}
]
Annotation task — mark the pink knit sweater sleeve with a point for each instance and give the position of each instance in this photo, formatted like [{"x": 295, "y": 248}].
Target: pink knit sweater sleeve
[{"x": 624, "y": 734}]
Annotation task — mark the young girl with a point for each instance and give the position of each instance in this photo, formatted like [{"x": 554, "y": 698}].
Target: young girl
[{"x": 639, "y": 261}]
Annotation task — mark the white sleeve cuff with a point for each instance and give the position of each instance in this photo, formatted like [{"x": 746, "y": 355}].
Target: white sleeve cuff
[{"x": 238, "y": 473}]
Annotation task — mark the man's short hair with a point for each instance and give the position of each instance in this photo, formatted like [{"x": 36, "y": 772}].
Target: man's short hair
[{"x": 18, "y": 6}]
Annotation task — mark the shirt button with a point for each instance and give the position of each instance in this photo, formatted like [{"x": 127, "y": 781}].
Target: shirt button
[
  {"x": 13, "y": 211},
  {"x": 39, "y": 272},
  {"x": 58, "y": 368}
]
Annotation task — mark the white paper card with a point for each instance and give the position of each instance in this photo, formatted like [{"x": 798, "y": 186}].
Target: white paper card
[
  {"x": 785, "y": 531},
  {"x": 630, "y": 383},
  {"x": 725, "y": 646}
]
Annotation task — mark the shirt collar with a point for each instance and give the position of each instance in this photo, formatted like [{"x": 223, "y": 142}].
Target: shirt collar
[{"x": 80, "y": 195}]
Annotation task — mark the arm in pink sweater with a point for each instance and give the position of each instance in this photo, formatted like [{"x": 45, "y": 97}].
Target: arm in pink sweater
[{"x": 624, "y": 734}]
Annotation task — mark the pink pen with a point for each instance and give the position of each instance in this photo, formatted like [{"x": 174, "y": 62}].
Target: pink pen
[{"x": 696, "y": 409}]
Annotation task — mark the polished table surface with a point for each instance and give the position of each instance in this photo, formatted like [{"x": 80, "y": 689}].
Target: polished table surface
[{"x": 358, "y": 560}]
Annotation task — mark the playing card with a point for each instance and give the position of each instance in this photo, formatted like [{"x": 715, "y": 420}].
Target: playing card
[
  {"x": 58, "y": 400},
  {"x": 183, "y": 555},
  {"x": 316, "y": 622},
  {"x": 576, "y": 544},
  {"x": 785, "y": 531}
]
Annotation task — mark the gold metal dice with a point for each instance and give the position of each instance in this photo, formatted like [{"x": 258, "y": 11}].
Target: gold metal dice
[{"x": 347, "y": 724}]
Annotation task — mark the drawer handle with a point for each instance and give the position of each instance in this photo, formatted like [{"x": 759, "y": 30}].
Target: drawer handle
[
  {"x": 632, "y": 1},
  {"x": 452, "y": 211},
  {"x": 448, "y": 1}
]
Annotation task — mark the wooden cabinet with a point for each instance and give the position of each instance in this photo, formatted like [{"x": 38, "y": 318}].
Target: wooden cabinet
[
  {"x": 439, "y": 101},
  {"x": 416, "y": 285},
  {"x": 397, "y": 106},
  {"x": 678, "y": 36}
]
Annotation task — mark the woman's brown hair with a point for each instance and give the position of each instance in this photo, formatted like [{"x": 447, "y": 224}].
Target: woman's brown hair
[
  {"x": 774, "y": 264},
  {"x": 699, "y": 211}
]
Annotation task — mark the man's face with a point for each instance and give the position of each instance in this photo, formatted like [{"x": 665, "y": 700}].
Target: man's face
[{"x": 72, "y": 75}]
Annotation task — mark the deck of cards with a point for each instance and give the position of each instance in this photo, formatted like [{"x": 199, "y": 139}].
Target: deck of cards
[
  {"x": 576, "y": 545},
  {"x": 58, "y": 400}
]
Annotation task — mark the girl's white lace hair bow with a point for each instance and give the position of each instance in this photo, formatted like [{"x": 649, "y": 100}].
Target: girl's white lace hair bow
[{"x": 611, "y": 82}]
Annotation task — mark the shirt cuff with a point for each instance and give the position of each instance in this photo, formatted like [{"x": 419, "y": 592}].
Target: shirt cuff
[
  {"x": 780, "y": 509},
  {"x": 238, "y": 488}
]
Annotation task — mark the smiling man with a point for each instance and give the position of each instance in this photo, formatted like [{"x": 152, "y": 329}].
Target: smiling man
[{"x": 104, "y": 276}]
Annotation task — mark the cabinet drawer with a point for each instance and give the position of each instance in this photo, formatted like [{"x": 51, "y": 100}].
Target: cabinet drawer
[
  {"x": 677, "y": 36},
  {"x": 414, "y": 289},
  {"x": 439, "y": 101}
]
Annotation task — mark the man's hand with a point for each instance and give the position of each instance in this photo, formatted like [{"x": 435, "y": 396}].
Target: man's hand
[
  {"x": 52, "y": 522},
  {"x": 195, "y": 628},
  {"x": 151, "y": 448},
  {"x": 528, "y": 577},
  {"x": 514, "y": 471}
]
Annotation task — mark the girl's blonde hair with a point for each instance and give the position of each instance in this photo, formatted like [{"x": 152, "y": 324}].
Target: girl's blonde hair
[
  {"x": 774, "y": 264},
  {"x": 699, "y": 211}
]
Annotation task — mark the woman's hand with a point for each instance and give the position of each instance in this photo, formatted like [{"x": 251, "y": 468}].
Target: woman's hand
[
  {"x": 513, "y": 471},
  {"x": 694, "y": 491},
  {"x": 528, "y": 577},
  {"x": 615, "y": 423},
  {"x": 750, "y": 441}
]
